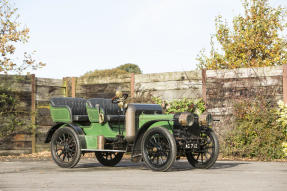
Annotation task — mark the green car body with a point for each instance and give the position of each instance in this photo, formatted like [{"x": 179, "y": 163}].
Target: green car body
[
  {"x": 62, "y": 115},
  {"x": 141, "y": 129}
]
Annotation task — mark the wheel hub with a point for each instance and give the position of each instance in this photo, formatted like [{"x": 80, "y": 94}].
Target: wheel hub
[{"x": 155, "y": 149}]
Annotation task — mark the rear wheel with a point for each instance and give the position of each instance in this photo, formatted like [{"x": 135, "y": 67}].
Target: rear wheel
[
  {"x": 208, "y": 151},
  {"x": 65, "y": 147},
  {"x": 109, "y": 158},
  {"x": 158, "y": 149}
]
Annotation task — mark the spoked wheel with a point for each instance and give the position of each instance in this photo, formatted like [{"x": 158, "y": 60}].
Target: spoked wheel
[
  {"x": 158, "y": 149},
  {"x": 109, "y": 158},
  {"x": 65, "y": 147},
  {"x": 207, "y": 153}
]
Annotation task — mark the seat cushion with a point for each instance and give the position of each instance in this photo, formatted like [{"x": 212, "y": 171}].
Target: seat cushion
[
  {"x": 80, "y": 118},
  {"x": 115, "y": 118},
  {"x": 77, "y": 107},
  {"x": 106, "y": 104}
]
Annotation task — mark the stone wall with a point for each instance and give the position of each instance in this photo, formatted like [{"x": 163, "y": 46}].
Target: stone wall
[
  {"x": 91, "y": 87},
  {"x": 224, "y": 87},
  {"x": 170, "y": 85}
]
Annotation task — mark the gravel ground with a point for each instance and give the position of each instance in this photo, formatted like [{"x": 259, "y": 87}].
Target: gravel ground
[{"x": 90, "y": 175}]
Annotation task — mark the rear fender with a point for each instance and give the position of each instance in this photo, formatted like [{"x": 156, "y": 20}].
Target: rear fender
[{"x": 76, "y": 128}]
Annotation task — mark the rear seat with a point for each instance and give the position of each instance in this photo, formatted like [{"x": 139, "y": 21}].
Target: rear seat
[{"x": 77, "y": 107}]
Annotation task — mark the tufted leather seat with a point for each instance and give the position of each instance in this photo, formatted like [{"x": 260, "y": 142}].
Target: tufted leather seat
[
  {"x": 112, "y": 111},
  {"x": 77, "y": 107}
]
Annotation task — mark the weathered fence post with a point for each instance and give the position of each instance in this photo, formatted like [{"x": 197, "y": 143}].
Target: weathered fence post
[
  {"x": 73, "y": 86},
  {"x": 285, "y": 83},
  {"x": 204, "y": 97},
  {"x": 33, "y": 111},
  {"x": 132, "y": 85},
  {"x": 65, "y": 84}
]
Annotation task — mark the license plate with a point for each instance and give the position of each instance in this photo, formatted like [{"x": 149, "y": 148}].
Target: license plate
[{"x": 191, "y": 146}]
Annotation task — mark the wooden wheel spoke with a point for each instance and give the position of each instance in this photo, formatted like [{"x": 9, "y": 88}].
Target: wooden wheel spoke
[
  {"x": 201, "y": 157},
  {"x": 59, "y": 155},
  {"x": 197, "y": 156},
  {"x": 205, "y": 156},
  {"x": 161, "y": 160},
  {"x": 64, "y": 156}
]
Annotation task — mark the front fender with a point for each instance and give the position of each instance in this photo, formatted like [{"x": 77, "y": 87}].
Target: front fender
[
  {"x": 77, "y": 129},
  {"x": 136, "y": 151}
]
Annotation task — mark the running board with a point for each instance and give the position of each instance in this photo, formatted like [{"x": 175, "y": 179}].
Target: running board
[{"x": 106, "y": 150}]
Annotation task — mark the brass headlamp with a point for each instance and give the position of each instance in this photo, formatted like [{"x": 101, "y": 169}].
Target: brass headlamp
[{"x": 186, "y": 119}]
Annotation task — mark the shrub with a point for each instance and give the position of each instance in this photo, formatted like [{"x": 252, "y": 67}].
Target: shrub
[
  {"x": 181, "y": 105},
  {"x": 284, "y": 148},
  {"x": 282, "y": 116},
  {"x": 282, "y": 121},
  {"x": 257, "y": 132}
]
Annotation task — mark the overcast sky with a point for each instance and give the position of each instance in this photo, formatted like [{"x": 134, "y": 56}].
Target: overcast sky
[{"x": 73, "y": 37}]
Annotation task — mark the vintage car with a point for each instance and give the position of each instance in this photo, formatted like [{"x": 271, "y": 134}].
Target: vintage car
[{"x": 111, "y": 127}]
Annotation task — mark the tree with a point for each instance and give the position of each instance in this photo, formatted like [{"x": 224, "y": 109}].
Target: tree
[
  {"x": 256, "y": 39},
  {"x": 105, "y": 73},
  {"x": 130, "y": 68},
  {"x": 120, "y": 70},
  {"x": 12, "y": 34},
  {"x": 12, "y": 115}
]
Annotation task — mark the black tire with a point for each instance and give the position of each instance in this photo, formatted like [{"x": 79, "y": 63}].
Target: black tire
[
  {"x": 208, "y": 151},
  {"x": 158, "y": 149},
  {"x": 109, "y": 158},
  {"x": 65, "y": 147}
]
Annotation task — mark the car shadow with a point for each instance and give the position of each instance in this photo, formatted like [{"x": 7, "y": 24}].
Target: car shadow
[
  {"x": 184, "y": 165},
  {"x": 227, "y": 164},
  {"x": 126, "y": 164},
  {"x": 88, "y": 165}
]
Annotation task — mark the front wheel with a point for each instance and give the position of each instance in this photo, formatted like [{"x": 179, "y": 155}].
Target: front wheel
[
  {"x": 207, "y": 153},
  {"x": 158, "y": 149}
]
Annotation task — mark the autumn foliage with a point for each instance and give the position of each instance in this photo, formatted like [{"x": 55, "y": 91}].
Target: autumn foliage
[
  {"x": 12, "y": 34},
  {"x": 255, "y": 40}
]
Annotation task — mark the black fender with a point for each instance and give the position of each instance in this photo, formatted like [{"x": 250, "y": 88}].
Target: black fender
[
  {"x": 76, "y": 128},
  {"x": 136, "y": 151}
]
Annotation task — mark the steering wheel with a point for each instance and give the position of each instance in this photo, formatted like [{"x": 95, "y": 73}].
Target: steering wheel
[{"x": 116, "y": 99}]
